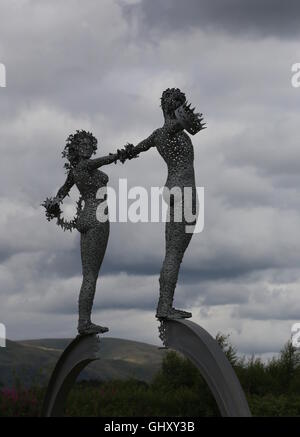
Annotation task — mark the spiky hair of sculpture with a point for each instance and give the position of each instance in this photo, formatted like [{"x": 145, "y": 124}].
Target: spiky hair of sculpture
[
  {"x": 71, "y": 149},
  {"x": 170, "y": 97},
  {"x": 174, "y": 104}
]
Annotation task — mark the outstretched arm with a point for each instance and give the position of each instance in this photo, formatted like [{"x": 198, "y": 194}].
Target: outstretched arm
[
  {"x": 121, "y": 155},
  {"x": 64, "y": 190},
  {"x": 145, "y": 145},
  {"x": 103, "y": 160},
  {"x": 128, "y": 152}
]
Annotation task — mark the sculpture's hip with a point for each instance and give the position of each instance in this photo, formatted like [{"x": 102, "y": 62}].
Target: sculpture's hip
[{"x": 94, "y": 214}]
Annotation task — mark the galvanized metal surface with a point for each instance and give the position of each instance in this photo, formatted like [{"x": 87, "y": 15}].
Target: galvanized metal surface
[
  {"x": 79, "y": 353},
  {"x": 182, "y": 335},
  {"x": 203, "y": 350}
]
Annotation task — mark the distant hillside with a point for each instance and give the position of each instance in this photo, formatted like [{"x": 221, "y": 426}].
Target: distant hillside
[{"x": 32, "y": 361}]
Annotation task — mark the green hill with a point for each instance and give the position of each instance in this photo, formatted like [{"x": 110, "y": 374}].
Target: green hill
[{"x": 32, "y": 361}]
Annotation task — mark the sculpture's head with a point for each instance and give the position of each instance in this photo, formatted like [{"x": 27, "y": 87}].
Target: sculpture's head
[
  {"x": 176, "y": 109},
  {"x": 81, "y": 145},
  {"x": 171, "y": 99}
]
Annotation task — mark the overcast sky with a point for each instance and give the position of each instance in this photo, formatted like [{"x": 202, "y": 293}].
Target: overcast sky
[{"x": 102, "y": 66}]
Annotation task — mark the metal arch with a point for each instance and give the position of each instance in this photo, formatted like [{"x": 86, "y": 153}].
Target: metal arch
[
  {"x": 203, "y": 350},
  {"x": 182, "y": 335},
  {"x": 79, "y": 353}
]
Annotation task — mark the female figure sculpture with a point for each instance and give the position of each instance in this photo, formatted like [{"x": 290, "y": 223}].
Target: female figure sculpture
[
  {"x": 83, "y": 172},
  {"x": 176, "y": 148}
]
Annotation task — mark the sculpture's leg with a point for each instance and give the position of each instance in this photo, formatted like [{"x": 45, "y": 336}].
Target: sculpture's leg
[
  {"x": 93, "y": 247},
  {"x": 177, "y": 240}
]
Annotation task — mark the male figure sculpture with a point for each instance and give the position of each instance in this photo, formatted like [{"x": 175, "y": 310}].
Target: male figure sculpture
[{"x": 176, "y": 148}]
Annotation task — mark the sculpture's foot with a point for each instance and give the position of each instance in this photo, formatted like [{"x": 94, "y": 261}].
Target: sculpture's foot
[
  {"x": 87, "y": 328},
  {"x": 172, "y": 314}
]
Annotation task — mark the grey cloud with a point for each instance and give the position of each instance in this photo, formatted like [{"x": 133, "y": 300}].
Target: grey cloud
[{"x": 248, "y": 17}]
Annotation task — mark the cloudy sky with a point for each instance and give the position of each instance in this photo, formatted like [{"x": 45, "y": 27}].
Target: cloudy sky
[{"x": 102, "y": 66}]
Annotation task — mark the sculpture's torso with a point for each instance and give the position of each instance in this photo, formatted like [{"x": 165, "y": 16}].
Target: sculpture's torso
[
  {"x": 88, "y": 183},
  {"x": 178, "y": 153}
]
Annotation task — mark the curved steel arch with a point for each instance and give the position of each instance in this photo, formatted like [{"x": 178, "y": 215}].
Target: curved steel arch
[
  {"x": 182, "y": 335},
  {"x": 203, "y": 350},
  {"x": 79, "y": 353}
]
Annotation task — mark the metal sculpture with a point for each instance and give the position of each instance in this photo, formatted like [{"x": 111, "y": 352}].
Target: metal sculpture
[
  {"x": 181, "y": 335},
  {"x": 83, "y": 172},
  {"x": 204, "y": 351},
  {"x": 83, "y": 350},
  {"x": 176, "y": 148}
]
